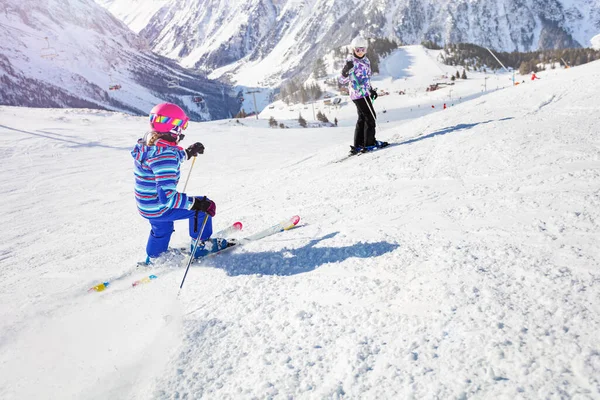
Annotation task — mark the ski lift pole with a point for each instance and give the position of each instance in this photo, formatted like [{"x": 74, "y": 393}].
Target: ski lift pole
[
  {"x": 193, "y": 251},
  {"x": 253, "y": 93},
  {"x": 500, "y": 62}
]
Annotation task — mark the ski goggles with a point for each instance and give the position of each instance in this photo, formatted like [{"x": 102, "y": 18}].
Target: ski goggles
[
  {"x": 161, "y": 119},
  {"x": 360, "y": 49}
]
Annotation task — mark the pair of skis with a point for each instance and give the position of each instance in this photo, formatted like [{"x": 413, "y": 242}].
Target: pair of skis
[
  {"x": 370, "y": 149},
  {"x": 280, "y": 227}
]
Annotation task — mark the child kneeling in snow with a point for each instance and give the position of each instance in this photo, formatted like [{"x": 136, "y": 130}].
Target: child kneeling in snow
[{"x": 157, "y": 168}]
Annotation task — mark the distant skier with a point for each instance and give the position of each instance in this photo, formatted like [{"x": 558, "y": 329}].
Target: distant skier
[
  {"x": 157, "y": 166},
  {"x": 357, "y": 74},
  {"x": 534, "y": 76}
]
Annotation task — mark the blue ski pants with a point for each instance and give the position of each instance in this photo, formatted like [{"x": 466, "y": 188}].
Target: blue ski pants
[{"x": 162, "y": 228}]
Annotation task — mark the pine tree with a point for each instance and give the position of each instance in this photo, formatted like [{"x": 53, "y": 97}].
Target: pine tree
[
  {"x": 320, "y": 69},
  {"x": 322, "y": 117},
  {"x": 464, "y": 75},
  {"x": 303, "y": 95},
  {"x": 374, "y": 59},
  {"x": 457, "y": 75},
  {"x": 301, "y": 120}
]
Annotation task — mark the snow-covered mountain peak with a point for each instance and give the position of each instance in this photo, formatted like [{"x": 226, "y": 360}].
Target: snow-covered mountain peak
[
  {"x": 56, "y": 53},
  {"x": 266, "y": 41}
]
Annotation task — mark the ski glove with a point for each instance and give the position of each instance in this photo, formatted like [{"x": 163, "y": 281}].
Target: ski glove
[
  {"x": 346, "y": 70},
  {"x": 194, "y": 150},
  {"x": 373, "y": 94},
  {"x": 205, "y": 205}
]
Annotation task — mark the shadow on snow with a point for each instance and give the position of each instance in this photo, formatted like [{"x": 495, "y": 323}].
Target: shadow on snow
[
  {"x": 444, "y": 131},
  {"x": 64, "y": 138},
  {"x": 297, "y": 261}
]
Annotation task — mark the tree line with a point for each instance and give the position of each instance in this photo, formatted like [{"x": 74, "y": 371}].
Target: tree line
[
  {"x": 478, "y": 58},
  {"x": 295, "y": 92}
]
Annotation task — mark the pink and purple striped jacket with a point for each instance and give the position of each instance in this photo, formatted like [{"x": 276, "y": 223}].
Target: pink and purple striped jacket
[{"x": 157, "y": 171}]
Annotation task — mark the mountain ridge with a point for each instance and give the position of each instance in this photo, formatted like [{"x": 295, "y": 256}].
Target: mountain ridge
[
  {"x": 257, "y": 35},
  {"x": 80, "y": 55}
]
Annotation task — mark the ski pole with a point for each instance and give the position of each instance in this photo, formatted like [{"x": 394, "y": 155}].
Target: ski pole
[
  {"x": 189, "y": 174},
  {"x": 194, "y": 250},
  {"x": 370, "y": 107}
]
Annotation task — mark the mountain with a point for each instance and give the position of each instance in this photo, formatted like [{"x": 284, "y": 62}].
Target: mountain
[
  {"x": 265, "y": 41},
  {"x": 68, "y": 54}
]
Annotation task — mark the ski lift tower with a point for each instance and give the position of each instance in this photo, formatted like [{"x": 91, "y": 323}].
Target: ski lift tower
[
  {"x": 485, "y": 83},
  {"x": 253, "y": 93}
]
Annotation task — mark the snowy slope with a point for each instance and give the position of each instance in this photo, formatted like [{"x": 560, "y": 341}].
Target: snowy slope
[
  {"x": 135, "y": 13},
  {"x": 596, "y": 42},
  {"x": 69, "y": 54},
  {"x": 410, "y": 70},
  {"x": 461, "y": 262}
]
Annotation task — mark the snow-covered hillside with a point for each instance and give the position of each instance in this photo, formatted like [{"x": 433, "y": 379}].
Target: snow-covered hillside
[
  {"x": 596, "y": 42},
  {"x": 279, "y": 39},
  {"x": 460, "y": 262},
  {"x": 405, "y": 75},
  {"x": 71, "y": 54}
]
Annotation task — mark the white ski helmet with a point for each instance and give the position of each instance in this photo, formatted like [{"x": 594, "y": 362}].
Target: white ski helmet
[{"x": 359, "y": 41}]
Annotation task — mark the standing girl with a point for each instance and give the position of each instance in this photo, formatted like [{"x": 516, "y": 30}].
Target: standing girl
[{"x": 357, "y": 74}]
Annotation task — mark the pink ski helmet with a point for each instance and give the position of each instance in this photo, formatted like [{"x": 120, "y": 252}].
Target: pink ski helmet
[{"x": 166, "y": 117}]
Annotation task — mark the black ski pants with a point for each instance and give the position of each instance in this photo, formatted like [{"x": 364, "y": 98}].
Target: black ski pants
[{"x": 364, "y": 133}]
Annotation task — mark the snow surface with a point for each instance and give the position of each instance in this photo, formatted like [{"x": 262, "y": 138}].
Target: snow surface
[
  {"x": 461, "y": 262},
  {"x": 596, "y": 42}
]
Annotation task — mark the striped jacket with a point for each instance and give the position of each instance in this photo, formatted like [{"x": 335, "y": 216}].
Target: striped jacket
[{"x": 157, "y": 170}]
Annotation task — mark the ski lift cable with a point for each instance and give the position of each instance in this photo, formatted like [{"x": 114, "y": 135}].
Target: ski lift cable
[
  {"x": 8, "y": 27},
  {"x": 45, "y": 52}
]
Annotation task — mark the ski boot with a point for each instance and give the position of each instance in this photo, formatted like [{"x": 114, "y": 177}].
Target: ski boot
[
  {"x": 356, "y": 149},
  {"x": 170, "y": 257},
  {"x": 212, "y": 245}
]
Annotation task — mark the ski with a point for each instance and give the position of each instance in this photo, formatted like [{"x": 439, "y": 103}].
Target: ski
[
  {"x": 284, "y": 225},
  {"x": 369, "y": 149},
  {"x": 100, "y": 287}
]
